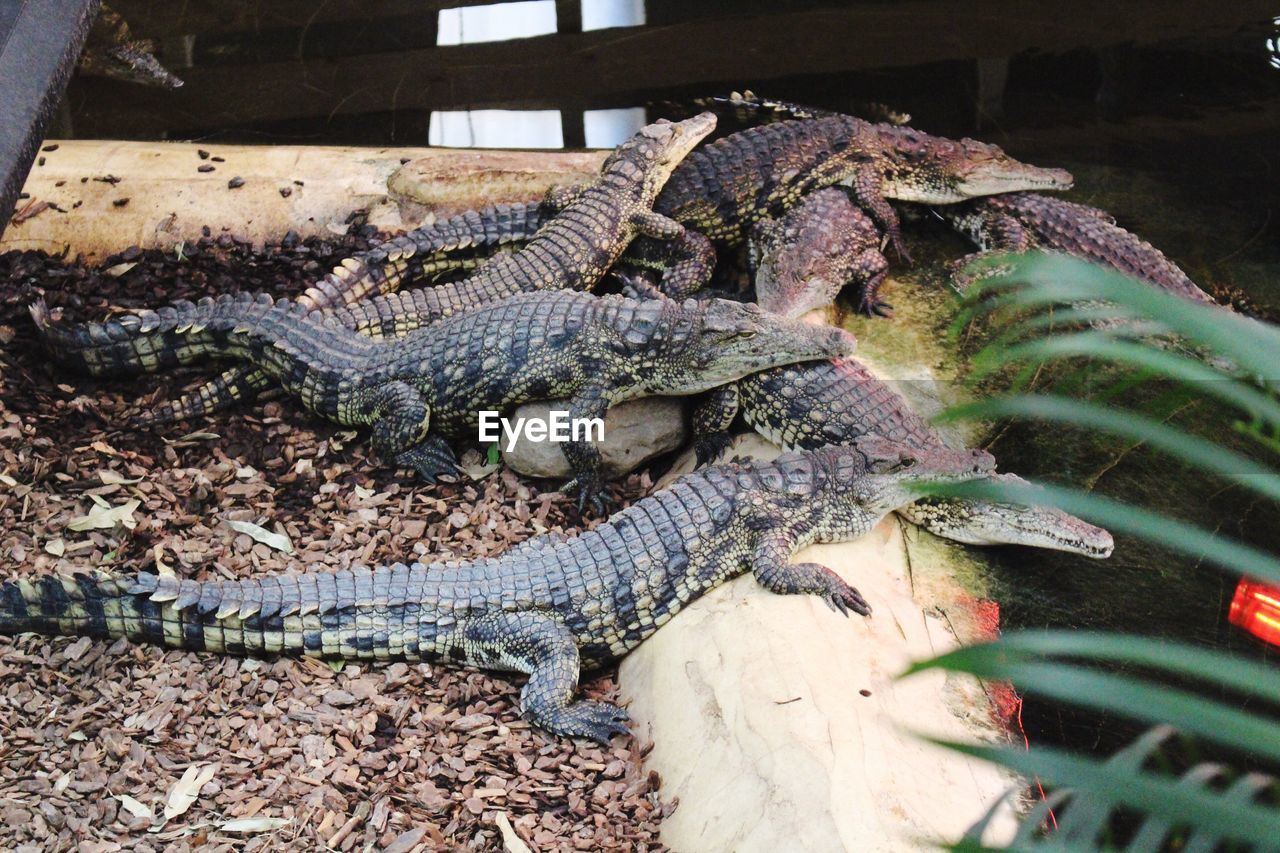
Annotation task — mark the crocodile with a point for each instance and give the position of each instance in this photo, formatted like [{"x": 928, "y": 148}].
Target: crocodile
[
  {"x": 111, "y": 50},
  {"x": 840, "y": 402},
  {"x": 549, "y": 607},
  {"x": 724, "y": 188},
  {"x": 572, "y": 253},
  {"x": 804, "y": 259},
  {"x": 1018, "y": 222},
  {"x": 718, "y": 193},
  {"x": 418, "y": 390}
]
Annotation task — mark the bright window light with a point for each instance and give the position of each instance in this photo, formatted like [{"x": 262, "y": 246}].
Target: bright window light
[
  {"x": 498, "y": 22},
  {"x": 496, "y": 129},
  {"x": 608, "y": 128}
]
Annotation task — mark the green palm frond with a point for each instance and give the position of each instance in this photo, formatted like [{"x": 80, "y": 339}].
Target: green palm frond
[{"x": 1052, "y": 310}]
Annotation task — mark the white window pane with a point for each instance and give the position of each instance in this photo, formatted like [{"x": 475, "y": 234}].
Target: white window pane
[
  {"x": 599, "y": 14},
  {"x": 496, "y": 129},
  {"x": 608, "y": 128},
  {"x": 498, "y": 22}
]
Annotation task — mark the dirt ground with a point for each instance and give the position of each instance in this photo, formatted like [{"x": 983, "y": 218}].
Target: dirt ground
[{"x": 98, "y": 739}]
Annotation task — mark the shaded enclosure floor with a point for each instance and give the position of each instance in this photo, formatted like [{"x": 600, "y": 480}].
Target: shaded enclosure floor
[{"x": 411, "y": 755}]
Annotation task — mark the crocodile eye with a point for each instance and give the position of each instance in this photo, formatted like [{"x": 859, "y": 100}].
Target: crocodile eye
[
  {"x": 907, "y": 462},
  {"x": 746, "y": 335}
]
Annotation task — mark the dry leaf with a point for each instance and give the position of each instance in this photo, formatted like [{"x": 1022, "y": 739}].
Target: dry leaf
[
  {"x": 253, "y": 824},
  {"x": 186, "y": 789},
  {"x": 511, "y": 842},
  {"x": 56, "y": 547},
  {"x": 134, "y": 807},
  {"x": 8, "y": 481},
  {"x": 104, "y": 516},
  {"x": 363, "y": 493},
  {"x": 260, "y": 534},
  {"x": 115, "y": 478},
  {"x": 120, "y": 269}
]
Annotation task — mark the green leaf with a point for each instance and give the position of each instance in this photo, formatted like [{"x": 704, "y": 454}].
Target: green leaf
[
  {"x": 1248, "y": 677},
  {"x": 493, "y": 455},
  {"x": 1191, "y": 449},
  {"x": 1138, "y": 790}
]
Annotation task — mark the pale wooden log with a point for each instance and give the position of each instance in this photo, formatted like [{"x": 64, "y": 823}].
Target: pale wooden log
[
  {"x": 760, "y": 729},
  {"x": 170, "y": 201}
]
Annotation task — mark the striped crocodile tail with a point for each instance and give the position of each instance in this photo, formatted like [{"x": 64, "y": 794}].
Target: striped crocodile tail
[
  {"x": 151, "y": 341},
  {"x": 354, "y": 613}
]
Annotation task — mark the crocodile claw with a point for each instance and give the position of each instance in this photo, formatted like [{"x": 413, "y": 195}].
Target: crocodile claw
[
  {"x": 707, "y": 448},
  {"x": 430, "y": 461},
  {"x": 590, "y": 491},
  {"x": 875, "y": 308},
  {"x": 597, "y": 721},
  {"x": 839, "y": 596}
]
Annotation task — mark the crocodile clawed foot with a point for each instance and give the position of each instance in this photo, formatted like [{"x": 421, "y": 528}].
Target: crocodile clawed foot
[
  {"x": 597, "y": 721},
  {"x": 875, "y": 308},
  {"x": 638, "y": 287},
  {"x": 707, "y": 449},
  {"x": 838, "y": 595},
  {"x": 590, "y": 492},
  {"x": 430, "y": 462}
]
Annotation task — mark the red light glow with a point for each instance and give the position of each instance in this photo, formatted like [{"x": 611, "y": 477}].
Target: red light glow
[{"x": 1256, "y": 608}]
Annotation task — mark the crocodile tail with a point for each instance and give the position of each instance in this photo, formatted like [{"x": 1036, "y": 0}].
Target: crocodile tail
[
  {"x": 89, "y": 605},
  {"x": 234, "y": 385},
  {"x": 150, "y": 341},
  {"x": 352, "y": 613}
]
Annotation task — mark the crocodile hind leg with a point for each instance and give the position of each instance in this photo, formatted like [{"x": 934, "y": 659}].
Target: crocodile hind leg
[
  {"x": 772, "y": 570},
  {"x": 541, "y": 646},
  {"x": 400, "y": 422},
  {"x": 236, "y": 385}
]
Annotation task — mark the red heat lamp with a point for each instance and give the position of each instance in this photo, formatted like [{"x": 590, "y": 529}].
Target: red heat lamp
[{"x": 1256, "y": 608}]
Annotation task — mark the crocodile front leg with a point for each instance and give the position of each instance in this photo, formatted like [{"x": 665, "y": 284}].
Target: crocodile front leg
[
  {"x": 871, "y": 269},
  {"x": 770, "y": 565},
  {"x": 714, "y": 413},
  {"x": 542, "y": 646},
  {"x": 583, "y": 456},
  {"x": 867, "y": 184}
]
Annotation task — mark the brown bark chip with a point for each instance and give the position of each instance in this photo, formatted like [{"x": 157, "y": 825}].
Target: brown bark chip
[{"x": 97, "y": 737}]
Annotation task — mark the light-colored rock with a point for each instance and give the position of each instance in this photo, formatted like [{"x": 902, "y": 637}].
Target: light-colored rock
[
  {"x": 755, "y": 703},
  {"x": 634, "y": 432}
]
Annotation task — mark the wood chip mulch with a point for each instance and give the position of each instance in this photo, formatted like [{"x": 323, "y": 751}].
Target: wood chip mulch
[{"x": 98, "y": 740}]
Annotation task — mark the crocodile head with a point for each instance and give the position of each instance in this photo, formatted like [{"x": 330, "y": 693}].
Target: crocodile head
[
  {"x": 981, "y": 522},
  {"x": 647, "y": 159},
  {"x": 713, "y": 342},
  {"x": 895, "y": 474},
  {"x": 933, "y": 170},
  {"x": 804, "y": 260}
]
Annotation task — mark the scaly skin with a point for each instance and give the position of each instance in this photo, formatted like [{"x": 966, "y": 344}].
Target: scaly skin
[
  {"x": 841, "y": 402},
  {"x": 803, "y": 260},
  {"x": 548, "y": 607},
  {"x": 418, "y": 390},
  {"x": 724, "y": 188},
  {"x": 1019, "y": 222},
  {"x": 571, "y": 253},
  {"x": 720, "y": 191}
]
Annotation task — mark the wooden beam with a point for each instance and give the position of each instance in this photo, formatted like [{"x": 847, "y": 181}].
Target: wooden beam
[
  {"x": 40, "y": 41},
  {"x": 164, "y": 18},
  {"x": 608, "y": 67}
]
